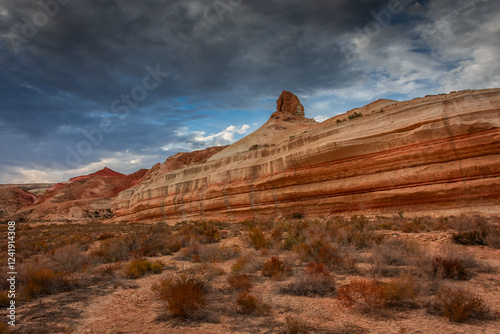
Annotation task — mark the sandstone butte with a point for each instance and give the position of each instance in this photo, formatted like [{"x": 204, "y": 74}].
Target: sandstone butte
[{"x": 437, "y": 155}]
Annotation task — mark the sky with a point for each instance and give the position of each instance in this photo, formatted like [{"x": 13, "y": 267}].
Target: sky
[{"x": 126, "y": 84}]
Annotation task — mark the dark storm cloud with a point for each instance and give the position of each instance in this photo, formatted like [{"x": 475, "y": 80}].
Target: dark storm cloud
[{"x": 219, "y": 55}]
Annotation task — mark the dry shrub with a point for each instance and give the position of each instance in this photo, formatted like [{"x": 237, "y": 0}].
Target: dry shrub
[
  {"x": 275, "y": 268},
  {"x": 331, "y": 255},
  {"x": 316, "y": 280},
  {"x": 39, "y": 280},
  {"x": 69, "y": 258},
  {"x": 211, "y": 270},
  {"x": 460, "y": 305},
  {"x": 4, "y": 298},
  {"x": 138, "y": 268},
  {"x": 388, "y": 256},
  {"x": 241, "y": 282},
  {"x": 470, "y": 238},
  {"x": 206, "y": 232},
  {"x": 357, "y": 232},
  {"x": 112, "y": 250},
  {"x": 476, "y": 230},
  {"x": 257, "y": 239},
  {"x": 417, "y": 224},
  {"x": 295, "y": 234},
  {"x": 184, "y": 293},
  {"x": 249, "y": 304},
  {"x": 104, "y": 236},
  {"x": 108, "y": 269},
  {"x": 4, "y": 327},
  {"x": 209, "y": 253},
  {"x": 294, "y": 325},
  {"x": 246, "y": 263},
  {"x": 493, "y": 239},
  {"x": 446, "y": 267},
  {"x": 362, "y": 293},
  {"x": 401, "y": 291},
  {"x": 453, "y": 262}
]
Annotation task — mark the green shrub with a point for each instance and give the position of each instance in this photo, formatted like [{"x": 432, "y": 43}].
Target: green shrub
[{"x": 354, "y": 115}]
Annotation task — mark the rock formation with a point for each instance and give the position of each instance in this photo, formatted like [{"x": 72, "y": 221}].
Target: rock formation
[
  {"x": 288, "y": 105},
  {"x": 83, "y": 197},
  {"x": 13, "y": 198},
  {"x": 437, "y": 155}
]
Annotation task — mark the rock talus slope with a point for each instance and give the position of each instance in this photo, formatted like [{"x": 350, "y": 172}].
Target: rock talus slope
[{"x": 437, "y": 155}]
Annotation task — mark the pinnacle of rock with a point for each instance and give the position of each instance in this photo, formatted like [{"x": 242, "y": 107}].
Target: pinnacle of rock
[{"x": 290, "y": 104}]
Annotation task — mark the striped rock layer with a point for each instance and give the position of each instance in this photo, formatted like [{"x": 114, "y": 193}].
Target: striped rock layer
[{"x": 438, "y": 155}]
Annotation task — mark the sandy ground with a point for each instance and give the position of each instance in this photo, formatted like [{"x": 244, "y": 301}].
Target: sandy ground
[{"x": 129, "y": 306}]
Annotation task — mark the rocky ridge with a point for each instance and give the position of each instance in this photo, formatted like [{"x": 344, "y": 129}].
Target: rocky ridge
[
  {"x": 83, "y": 197},
  {"x": 436, "y": 155}
]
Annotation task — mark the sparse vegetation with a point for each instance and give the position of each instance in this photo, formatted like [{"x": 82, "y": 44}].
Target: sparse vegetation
[
  {"x": 370, "y": 265},
  {"x": 354, "y": 115}
]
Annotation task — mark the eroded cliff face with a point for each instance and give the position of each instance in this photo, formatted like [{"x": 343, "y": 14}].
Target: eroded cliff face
[{"x": 437, "y": 155}]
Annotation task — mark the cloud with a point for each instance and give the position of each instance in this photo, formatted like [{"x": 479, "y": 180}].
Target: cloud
[
  {"x": 196, "y": 140},
  {"x": 63, "y": 80}
]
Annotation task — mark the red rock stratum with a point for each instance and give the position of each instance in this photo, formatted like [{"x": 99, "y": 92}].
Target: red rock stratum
[
  {"x": 438, "y": 155},
  {"x": 82, "y": 197}
]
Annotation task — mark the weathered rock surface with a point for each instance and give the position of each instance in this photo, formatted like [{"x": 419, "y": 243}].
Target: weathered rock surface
[
  {"x": 437, "y": 155},
  {"x": 13, "y": 198},
  {"x": 83, "y": 197}
]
